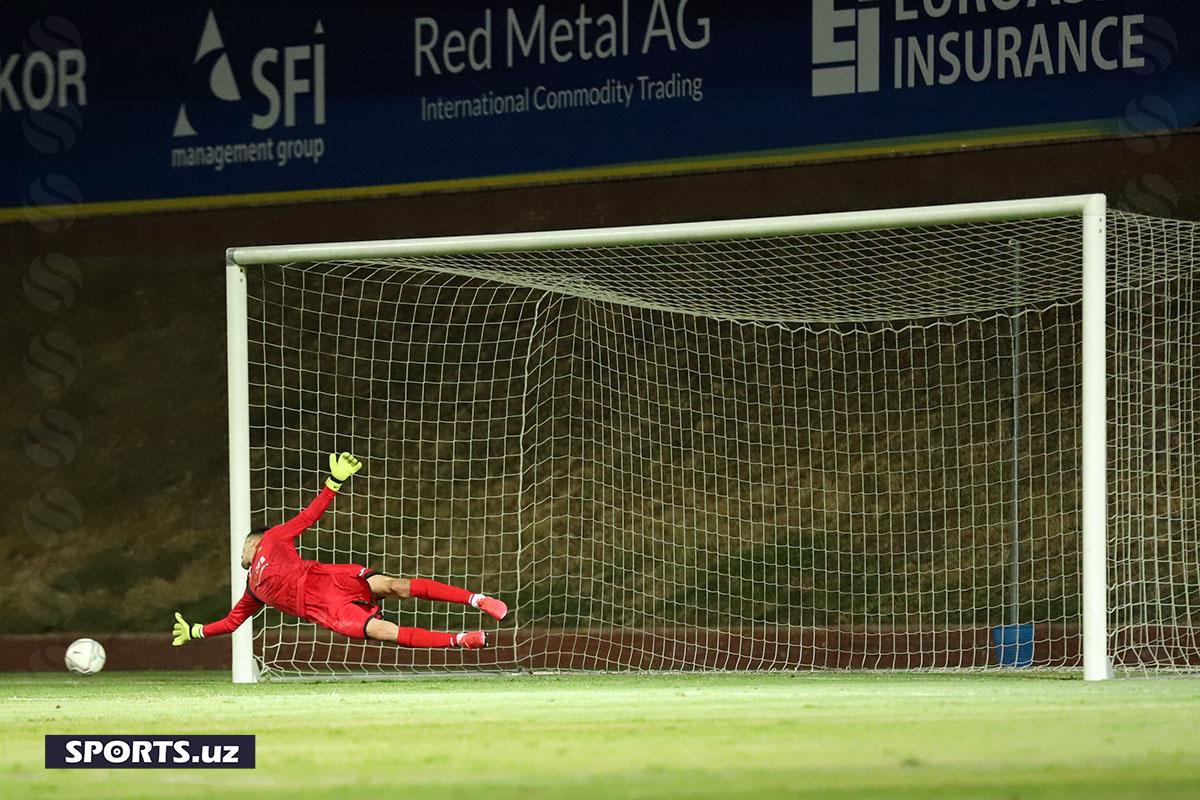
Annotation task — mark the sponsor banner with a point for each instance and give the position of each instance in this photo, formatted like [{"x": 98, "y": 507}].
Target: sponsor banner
[
  {"x": 191, "y": 104},
  {"x": 149, "y": 752}
]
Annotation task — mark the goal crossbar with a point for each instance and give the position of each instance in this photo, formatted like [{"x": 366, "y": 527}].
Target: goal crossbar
[{"x": 1000, "y": 210}]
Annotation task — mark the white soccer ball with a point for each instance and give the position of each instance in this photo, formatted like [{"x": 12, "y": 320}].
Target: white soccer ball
[{"x": 85, "y": 656}]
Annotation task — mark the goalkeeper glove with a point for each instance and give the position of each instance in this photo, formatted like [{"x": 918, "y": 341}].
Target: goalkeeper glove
[
  {"x": 342, "y": 467},
  {"x": 183, "y": 633}
]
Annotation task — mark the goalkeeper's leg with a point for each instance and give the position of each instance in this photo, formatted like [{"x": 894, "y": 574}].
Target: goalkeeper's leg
[
  {"x": 384, "y": 631},
  {"x": 383, "y": 586}
]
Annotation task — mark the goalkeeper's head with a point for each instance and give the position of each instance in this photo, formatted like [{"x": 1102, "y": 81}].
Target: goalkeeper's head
[{"x": 250, "y": 545}]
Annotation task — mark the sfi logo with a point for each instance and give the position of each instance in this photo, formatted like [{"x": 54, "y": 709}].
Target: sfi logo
[
  {"x": 278, "y": 86},
  {"x": 220, "y": 80},
  {"x": 844, "y": 64}
]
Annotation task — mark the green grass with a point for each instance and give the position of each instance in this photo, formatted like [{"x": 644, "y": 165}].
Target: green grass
[{"x": 628, "y": 736}]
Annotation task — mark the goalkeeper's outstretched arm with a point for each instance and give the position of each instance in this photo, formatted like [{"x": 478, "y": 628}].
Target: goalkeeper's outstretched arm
[
  {"x": 341, "y": 467},
  {"x": 242, "y": 611}
]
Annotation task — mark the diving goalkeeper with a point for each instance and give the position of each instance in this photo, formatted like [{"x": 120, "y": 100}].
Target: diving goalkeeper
[{"x": 341, "y": 597}]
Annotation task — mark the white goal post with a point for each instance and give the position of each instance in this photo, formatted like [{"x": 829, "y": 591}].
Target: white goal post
[{"x": 857, "y": 440}]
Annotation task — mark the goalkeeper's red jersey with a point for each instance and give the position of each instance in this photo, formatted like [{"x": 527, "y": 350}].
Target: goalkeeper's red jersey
[{"x": 277, "y": 575}]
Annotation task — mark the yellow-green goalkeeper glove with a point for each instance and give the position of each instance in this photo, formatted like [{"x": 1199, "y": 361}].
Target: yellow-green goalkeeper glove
[
  {"x": 183, "y": 632},
  {"x": 341, "y": 468}
]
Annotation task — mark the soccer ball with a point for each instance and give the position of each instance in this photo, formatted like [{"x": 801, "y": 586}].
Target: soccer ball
[{"x": 85, "y": 656}]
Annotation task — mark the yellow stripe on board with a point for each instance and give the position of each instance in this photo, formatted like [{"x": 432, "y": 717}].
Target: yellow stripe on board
[{"x": 867, "y": 149}]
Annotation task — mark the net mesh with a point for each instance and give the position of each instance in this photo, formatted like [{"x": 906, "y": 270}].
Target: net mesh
[
  {"x": 845, "y": 450},
  {"x": 1154, "y": 462}
]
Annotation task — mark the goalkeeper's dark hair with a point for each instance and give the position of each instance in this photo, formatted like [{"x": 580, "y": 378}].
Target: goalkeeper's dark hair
[{"x": 259, "y": 531}]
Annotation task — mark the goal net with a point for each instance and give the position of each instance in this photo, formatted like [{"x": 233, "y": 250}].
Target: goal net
[{"x": 847, "y": 441}]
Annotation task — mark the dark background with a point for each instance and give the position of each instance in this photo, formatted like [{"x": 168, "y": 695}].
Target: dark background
[{"x": 111, "y": 524}]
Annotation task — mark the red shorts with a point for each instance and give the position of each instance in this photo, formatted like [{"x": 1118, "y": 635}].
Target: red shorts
[{"x": 338, "y": 597}]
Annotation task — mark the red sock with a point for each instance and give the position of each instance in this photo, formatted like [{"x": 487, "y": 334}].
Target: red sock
[
  {"x": 432, "y": 590},
  {"x": 419, "y": 637}
]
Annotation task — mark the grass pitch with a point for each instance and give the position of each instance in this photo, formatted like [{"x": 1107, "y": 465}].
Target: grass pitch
[{"x": 628, "y": 736}]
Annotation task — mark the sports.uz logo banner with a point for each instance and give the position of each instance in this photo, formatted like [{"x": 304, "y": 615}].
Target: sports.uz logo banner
[{"x": 149, "y": 752}]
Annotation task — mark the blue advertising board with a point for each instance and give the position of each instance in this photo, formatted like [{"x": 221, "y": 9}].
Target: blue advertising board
[{"x": 147, "y": 105}]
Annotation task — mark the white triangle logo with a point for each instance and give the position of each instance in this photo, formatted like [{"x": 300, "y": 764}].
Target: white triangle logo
[
  {"x": 220, "y": 81},
  {"x": 209, "y": 40},
  {"x": 183, "y": 126}
]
